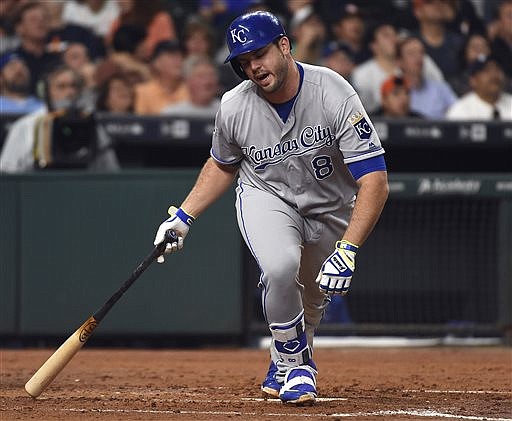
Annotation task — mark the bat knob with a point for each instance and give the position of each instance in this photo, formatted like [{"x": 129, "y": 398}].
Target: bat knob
[{"x": 170, "y": 237}]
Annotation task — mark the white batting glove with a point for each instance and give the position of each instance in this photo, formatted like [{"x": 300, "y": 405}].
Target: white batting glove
[
  {"x": 179, "y": 222},
  {"x": 338, "y": 268}
]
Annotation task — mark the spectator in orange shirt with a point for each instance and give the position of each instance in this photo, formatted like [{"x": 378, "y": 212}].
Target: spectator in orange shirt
[
  {"x": 150, "y": 16},
  {"x": 166, "y": 86}
]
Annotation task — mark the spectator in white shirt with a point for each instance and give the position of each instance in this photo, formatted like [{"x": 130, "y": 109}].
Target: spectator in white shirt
[
  {"x": 96, "y": 15},
  {"x": 487, "y": 100},
  {"x": 369, "y": 76}
]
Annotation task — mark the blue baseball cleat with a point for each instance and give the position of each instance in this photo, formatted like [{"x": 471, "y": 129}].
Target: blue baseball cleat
[
  {"x": 270, "y": 386},
  {"x": 300, "y": 385}
]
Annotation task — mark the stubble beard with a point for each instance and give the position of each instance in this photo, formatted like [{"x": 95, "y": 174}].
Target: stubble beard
[{"x": 280, "y": 75}]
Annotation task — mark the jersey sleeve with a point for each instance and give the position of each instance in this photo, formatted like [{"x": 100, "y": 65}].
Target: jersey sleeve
[
  {"x": 358, "y": 139},
  {"x": 224, "y": 148}
]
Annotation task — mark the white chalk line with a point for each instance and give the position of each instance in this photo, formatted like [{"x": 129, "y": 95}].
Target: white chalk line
[
  {"x": 468, "y": 392},
  {"x": 440, "y": 391},
  {"x": 416, "y": 413},
  {"x": 270, "y": 400}
]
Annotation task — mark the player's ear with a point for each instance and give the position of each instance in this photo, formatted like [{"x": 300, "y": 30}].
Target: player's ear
[{"x": 284, "y": 45}]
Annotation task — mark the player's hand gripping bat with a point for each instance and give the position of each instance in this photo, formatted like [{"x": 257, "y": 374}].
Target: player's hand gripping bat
[{"x": 58, "y": 360}]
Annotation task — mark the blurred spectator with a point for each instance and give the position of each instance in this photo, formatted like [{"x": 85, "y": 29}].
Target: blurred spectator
[
  {"x": 349, "y": 28},
  {"x": 97, "y": 15},
  {"x": 76, "y": 57},
  {"x": 198, "y": 39},
  {"x": 466, "y": 19},
  {"x": 501, "y": 45},
  {"x": 166, "y": 87},
  {"x": 8, "y": 11},
  {"x": 150, "y": 16},
  {"x": 32, "y": 28},
  {"x": 475, "y": 45},
  {"x": 440, "y": 43},
  {"x": 368, "y": 77},
  {"x": 125, "y": 56},
  {"x": 15, "y": 85},
  {"x": 258, "y": 5},
  {"x": 340, "y": 58},
  {"x": 396, "y": 99},
  {"x": 202, "y": 81},
  {"x": 220, "y": 12},
  {"x": 64, "y": 32},
  {"x": 116, "y": 95},
  {"x": 62, "y": 88},
  {"x": 308, "y": 35},
  {"x": 293, "y": 6},
  {"x": 430, "y": 98},
  {"x": 487, "y": 100},
  {"x": 8, "y": 39}
]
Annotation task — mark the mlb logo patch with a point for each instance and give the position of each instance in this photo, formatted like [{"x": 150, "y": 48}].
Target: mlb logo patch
[{"x": 361, "y": 126}]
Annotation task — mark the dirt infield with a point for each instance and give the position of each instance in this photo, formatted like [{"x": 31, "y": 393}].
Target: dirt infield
[{"x": 223, "y": 384}]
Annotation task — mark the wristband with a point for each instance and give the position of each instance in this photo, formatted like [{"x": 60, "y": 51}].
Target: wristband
[
  {"x": 346, "y": 245},
  {"x": 185, "y": 217},
  {"x": 180, "y": 213}
]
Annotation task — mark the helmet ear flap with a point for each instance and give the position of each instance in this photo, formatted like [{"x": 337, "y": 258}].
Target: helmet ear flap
[{"x": 238, "y": 69}]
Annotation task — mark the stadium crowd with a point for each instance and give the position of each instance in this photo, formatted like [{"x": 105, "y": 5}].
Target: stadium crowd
[{"x": 430, "y": 59}]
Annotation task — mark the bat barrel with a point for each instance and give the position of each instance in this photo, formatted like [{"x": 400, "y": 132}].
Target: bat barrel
[{"x": 59, "y": 359}]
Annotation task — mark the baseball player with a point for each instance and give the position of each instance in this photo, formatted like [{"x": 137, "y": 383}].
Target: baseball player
[{"x": 311, "y": 185}]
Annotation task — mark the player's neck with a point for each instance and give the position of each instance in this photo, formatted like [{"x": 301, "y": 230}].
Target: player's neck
[{"x": 289, "y": 88}]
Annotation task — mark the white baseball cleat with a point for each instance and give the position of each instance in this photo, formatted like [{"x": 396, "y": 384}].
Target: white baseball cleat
[{"x": 300, "y": 385}]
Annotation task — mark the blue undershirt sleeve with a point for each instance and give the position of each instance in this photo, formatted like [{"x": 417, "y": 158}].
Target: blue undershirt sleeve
[{"x": 360, "y": 168}]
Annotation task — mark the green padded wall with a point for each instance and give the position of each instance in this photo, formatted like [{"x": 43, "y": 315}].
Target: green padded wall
[
  {"x": 9, "y": 247},
  {"x": 83, "y": 234}
]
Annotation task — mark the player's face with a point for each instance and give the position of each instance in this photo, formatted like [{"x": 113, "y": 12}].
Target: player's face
[{"x": 267, "y": 67}]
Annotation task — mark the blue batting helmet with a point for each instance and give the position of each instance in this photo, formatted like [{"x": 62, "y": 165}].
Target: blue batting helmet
[{"x": 250, "y": 32}]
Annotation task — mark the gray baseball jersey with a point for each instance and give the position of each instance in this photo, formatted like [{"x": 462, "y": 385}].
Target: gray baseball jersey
[
  {"x": 300, "y": 161},
  {"x": 295, "y": 193}
]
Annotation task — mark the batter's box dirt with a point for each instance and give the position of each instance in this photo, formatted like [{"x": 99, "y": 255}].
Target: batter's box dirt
[{"x": 223, "y": 384}]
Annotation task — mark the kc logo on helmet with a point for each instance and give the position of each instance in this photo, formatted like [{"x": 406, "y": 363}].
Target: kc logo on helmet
[
  {"x": 361, "y": 126},
  {"x": 238, "y": 34}
]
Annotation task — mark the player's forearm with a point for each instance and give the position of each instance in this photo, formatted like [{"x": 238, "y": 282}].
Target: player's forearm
[
  {"x": 211, "y": 183},
  {"x": 372, "y": 196}
]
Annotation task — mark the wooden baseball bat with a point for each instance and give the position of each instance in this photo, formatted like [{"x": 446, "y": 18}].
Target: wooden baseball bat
[{"x": 63, "y": 355}]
